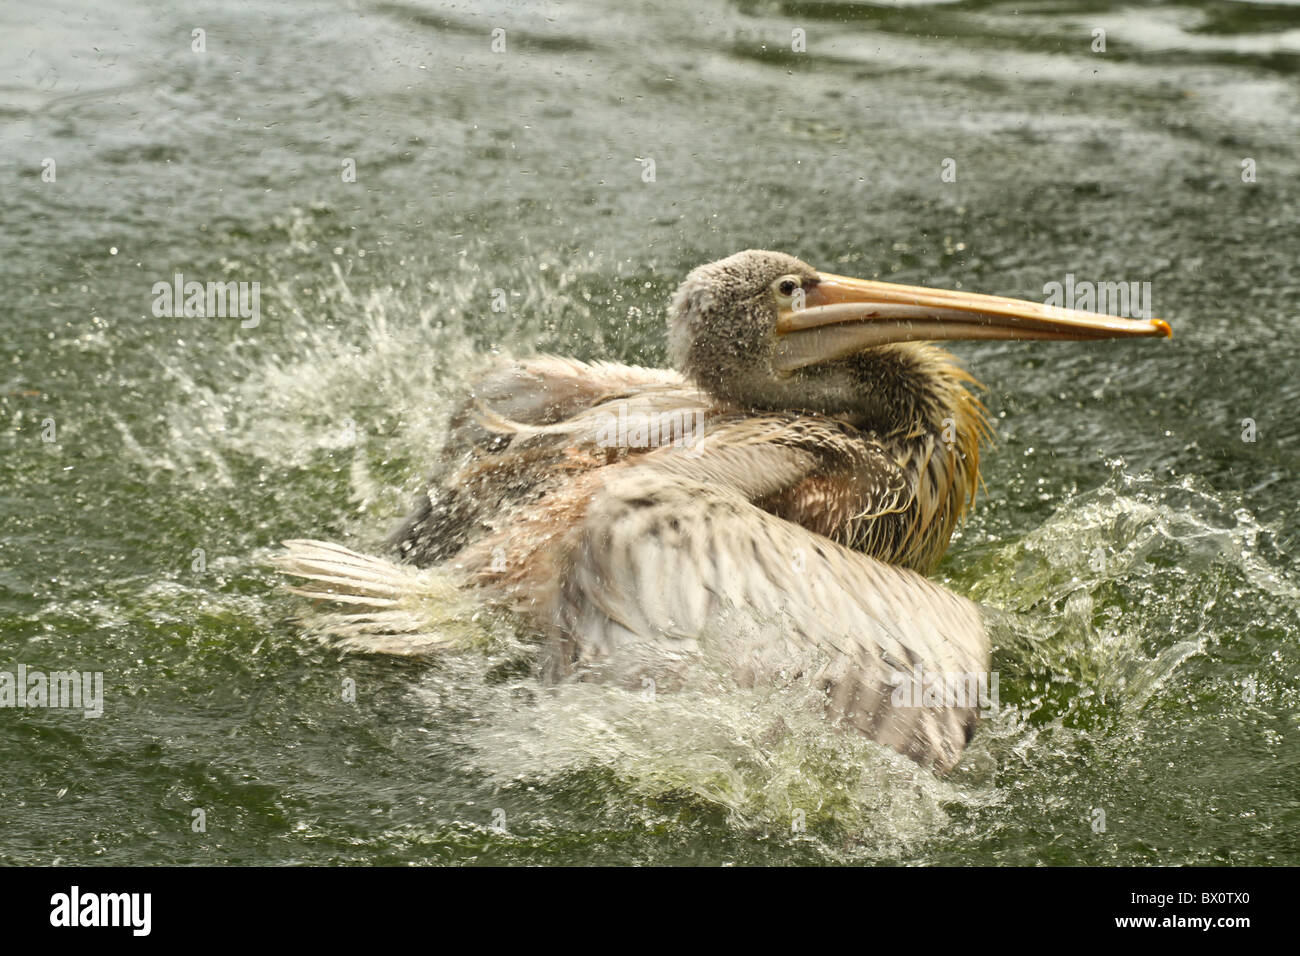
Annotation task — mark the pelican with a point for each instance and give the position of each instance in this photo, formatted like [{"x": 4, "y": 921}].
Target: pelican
[{"x": 768, "y": 509}]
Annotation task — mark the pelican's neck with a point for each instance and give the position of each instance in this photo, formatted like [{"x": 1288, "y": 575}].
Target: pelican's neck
[
  {"x": 917, "y": 400},
  {"x": 905, "y": 388},
  {"x": 908, "y": 388}
]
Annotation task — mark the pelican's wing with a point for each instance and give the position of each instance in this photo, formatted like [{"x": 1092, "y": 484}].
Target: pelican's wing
[
  {"x": 491, "y": 469},
  {"x": 858, "y": 483},
  {"x": 673, "y": 561},
  {"x": 544, "y": 390}
]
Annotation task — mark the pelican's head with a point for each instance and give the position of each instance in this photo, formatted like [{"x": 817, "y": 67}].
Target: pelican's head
[
  {"x": 766, "y": 330},
  {"x": 722, "y": 331}
]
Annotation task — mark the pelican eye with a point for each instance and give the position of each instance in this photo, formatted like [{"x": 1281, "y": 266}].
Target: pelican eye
[{"x": 787, "y": 285}]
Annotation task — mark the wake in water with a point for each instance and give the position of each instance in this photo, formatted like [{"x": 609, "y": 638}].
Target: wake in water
[
  {"x": 1074, "y": 645},
  {"x": 764, "y": 754}
]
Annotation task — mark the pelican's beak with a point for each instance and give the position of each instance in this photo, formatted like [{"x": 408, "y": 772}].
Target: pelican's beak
[{"x": 839, "y": 316}]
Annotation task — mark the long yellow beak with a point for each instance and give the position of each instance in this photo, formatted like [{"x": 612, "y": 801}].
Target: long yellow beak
[{"x": 839, "y": 316}]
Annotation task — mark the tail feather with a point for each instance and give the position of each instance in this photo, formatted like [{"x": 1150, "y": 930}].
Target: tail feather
[{"x": 371, "y": 605}]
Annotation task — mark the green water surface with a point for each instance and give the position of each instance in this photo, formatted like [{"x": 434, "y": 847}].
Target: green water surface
[{"x": 1135, "y": 552}]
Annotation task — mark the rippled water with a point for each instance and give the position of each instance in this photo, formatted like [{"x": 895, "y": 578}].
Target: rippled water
[{"x": 1134, "y": 551}]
